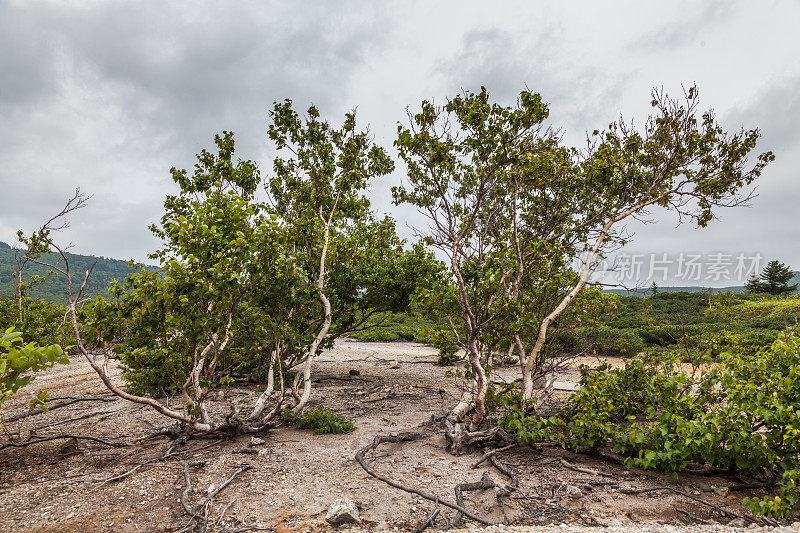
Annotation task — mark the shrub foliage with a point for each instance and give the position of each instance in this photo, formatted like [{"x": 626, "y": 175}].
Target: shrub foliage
[{"x": 740, "y": 415}]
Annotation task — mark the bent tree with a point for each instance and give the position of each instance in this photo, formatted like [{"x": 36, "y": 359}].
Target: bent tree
[{"x": 512, "y": 208}]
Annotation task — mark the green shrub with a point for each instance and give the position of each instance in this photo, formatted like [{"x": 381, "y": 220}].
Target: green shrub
[
  {"x": 388, "y": 326},
  {"x": 442, "y": 339},
  {"x": 156, "y": 371},
  {"x": 321, "y": 421},
  {"x": 19, "y": 363},
  {"x": 43, "y": 322},
  {"x": 741, "y": 415}
]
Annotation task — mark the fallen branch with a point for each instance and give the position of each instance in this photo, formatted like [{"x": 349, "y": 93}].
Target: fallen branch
[
  {"x": 167, "y": 454},
  {"x": 749, "y": 486},
  {"x": 56, "y": 437},
  {"x": 47, "y": 409},
  {"x": 692, "y": 517},
  {"x": 405, "y": 437},
  {"x": 82, "y": 417},
  {"x": 188, "y": 489},
  {"x": 508, "y": 489},
  {"x": 583, "y": 470},
  {"x": 193, "y": 510},
  {"x": 206, "y": 499}
]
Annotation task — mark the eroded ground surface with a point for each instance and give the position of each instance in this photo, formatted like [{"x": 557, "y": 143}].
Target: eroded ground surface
[{"x": 296, "y": 475}]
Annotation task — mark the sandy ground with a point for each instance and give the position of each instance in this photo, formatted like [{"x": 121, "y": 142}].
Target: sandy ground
[{"x": 296, "y": 475}]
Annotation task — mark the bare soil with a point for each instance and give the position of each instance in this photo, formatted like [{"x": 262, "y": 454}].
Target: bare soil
[{"x": 296, "y": 475}]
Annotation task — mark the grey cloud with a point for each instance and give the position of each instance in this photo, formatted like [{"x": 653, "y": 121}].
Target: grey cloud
[
  {"x": 775, "y": 113},
  {"x": 109, "y": 96},
  {"x": 578, "y": 94},
  {"x": 688, "y": 27}
]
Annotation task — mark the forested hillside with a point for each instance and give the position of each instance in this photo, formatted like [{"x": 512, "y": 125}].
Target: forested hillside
[{"x": 55, "y": 287}]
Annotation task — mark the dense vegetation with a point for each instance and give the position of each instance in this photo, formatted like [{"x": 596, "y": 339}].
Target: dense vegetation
[
  {"x": 258, "y": 288},
  {"x": 739, "y": 416},
  {"x": 627, "y": 325},
  {"x": 19, "y": 363}
]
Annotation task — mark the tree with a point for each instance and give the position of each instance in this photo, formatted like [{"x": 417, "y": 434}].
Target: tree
[
  {"x": 318, "y": 193},
  {"x": 241, "y": 280},
  {"x": 456, "y": 158},
  {"x": 512, "y": 208},
  {"x": 774, "y": 279}
]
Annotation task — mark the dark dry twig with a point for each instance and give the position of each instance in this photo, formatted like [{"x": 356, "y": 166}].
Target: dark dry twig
[
  {"x": 698, "y": 500},
  {"x": 56, "y": 437},
  {"x": 428, "y": 521},
  {"x": 404, "y": 437},
  {"x": 692, "y": 517},
  {"x": 486, "y": 482},
  {"x": 72, "y": 400},
  {"x": 488, "y": 453}
]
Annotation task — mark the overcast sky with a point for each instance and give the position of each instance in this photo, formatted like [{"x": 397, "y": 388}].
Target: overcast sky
[{"x": 107, "y": 96}]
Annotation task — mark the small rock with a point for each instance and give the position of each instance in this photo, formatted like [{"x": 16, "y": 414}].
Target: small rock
[
  {"x": 736, "y": 522},
  {"x": 394, "y": 364},
  {"x": 354, "y": 372},
  {"x": 220, "y": 395},
  {"x": 571, "y": 492},
  {"x": 70, "y": 448},
  {"x": 721, "y": 491},
  {"x": 796, "y": 525},
  {"x": 255, "y": 441},
  {"x": 343, "y": 511}
]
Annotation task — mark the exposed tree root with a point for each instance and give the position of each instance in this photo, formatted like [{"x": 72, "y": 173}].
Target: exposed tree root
[
  {"x": 692, "y": 517},
  {"x": 56, "y": 437},
  {"x": 233, "y": 427},
  {"x": 461, "y": 439},
  {"x": 406, "y": 437},
  {"x": 508, "y": 489},
  {"x": 486, "y": 482},
  {"x": 428, "y": 521},
  {"x": 488, "y": 453}
]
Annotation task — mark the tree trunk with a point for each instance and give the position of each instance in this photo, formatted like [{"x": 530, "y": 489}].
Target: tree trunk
[
  {"x": 19, "y": 296},
  {"x": 261, "y": 402},
  {"x": 312, "y": 350},
  {"x": 481, "y": 384},
  {"x": 323, "y": 332}
]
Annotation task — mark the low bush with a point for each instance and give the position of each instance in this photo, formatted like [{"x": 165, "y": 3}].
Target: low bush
[
  {"x": 740, "y": 415},
  {"x": 443, "y": 340},
  {"x": 321, "y": 421},
  {"x": 19, "y": 363}
]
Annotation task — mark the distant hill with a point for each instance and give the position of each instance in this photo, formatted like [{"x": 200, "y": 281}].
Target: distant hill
[
  {"x": 54, "y": 289},
  {"x": 737, "y": 289}
]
